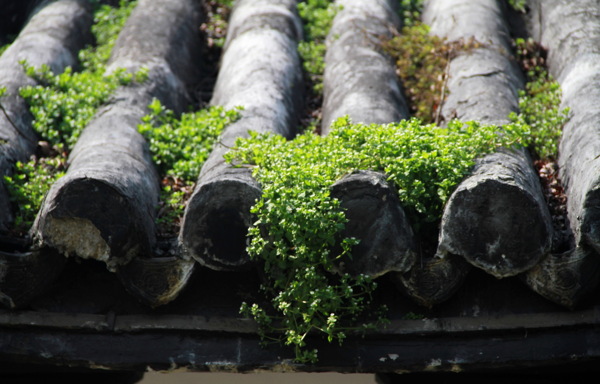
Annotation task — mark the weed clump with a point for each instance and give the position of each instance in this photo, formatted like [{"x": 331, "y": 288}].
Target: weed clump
[
  {"x": 539, "y": 102},
  {"x": 422, "y": 61},
  {"x": 298, "y": 220}
]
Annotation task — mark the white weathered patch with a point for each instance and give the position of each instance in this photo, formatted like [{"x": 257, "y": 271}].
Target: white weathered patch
[
  {"x": 76, "y": 236},
  {"x": 433, "y": 365}
]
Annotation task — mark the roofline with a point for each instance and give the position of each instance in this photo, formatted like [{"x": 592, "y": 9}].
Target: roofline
[{"x": 199, "y": 343}]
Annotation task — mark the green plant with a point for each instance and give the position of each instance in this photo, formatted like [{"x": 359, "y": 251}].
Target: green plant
[
  {"x": 298, "y": 221},
  {"x": 62, "y": 105},
  {"x": 422, "y": 61},
  {"x": 215, "y": 27},
  {"x": 2, "y": 93},
  {"x": 518, "y": 5},
  {"x": 539, "y": 102},
  {"x": 313, "y": 62},
  {"x": 65, "y": 103},
  {"x": 108, "y": 22},
  {"x": 4, "y": 48},
  {"x": 539, "y": 105},
  {"x": 317, "y": 16},
  {"x": 27, "y": 187},
  {"x": 6, "y": 41},
  {"x": 180, "y": 145},
  {"x": 410, "y": 11}
]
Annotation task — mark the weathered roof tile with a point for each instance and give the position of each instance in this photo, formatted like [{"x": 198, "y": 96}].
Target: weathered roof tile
[{"x": 496, "y": 221}]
